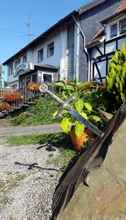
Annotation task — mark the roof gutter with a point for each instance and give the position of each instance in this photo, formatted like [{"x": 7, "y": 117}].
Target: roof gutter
[{"x": 84, "y": 39}]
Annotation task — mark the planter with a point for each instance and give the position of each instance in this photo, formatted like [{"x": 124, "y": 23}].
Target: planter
[
  {"x": 78, "y": 142},
  {"x": 90, "y": 133}
]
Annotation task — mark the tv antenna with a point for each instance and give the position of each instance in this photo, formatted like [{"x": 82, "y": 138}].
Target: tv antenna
[{"x": 30, "y": 35}]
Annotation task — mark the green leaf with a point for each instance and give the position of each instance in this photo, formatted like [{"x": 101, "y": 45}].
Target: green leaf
[
  {"x": 66, "y": 125},
  {"x": 96, "y": 118},
  {"x": 55, "y": 114},
  {"x": 79, "y": 105},
  {"x": 83, "y": 114},
  {"x": 79, "y": 129},
  {"x": 69, "y": 87},
  {"x": 88, "y": 106}
]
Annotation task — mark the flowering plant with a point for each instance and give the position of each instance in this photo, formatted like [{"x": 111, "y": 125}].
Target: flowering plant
[
  {"x": 4, "y": 106},
  {"x": 33, "y": 87},
  {"x": 13, "y": 96}
]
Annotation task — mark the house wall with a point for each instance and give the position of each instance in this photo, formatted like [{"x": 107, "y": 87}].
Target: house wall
[
  {"x": 63, "y": 57},
  {"x": 89, "y": 22}
]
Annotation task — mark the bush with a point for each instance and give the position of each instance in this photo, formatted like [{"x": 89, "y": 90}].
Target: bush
[
  {"x": 116, "y": 79},
  {"x": 39, "y": 113}
]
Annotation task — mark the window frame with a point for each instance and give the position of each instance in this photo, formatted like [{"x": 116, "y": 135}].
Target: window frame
[
  {"x": 122, "y": 32},
  {"x": 118, "y": 28},
  {"x": 50, "y": 46},
  {"x": 17, "y": 62},
  {"x": 10, "y": 69},
  {"x": 40, "y": 58},
  {"x": 113, "y": 36},
  {"x": 24, "y": 59},
  {"x": 48, "y": 73}
]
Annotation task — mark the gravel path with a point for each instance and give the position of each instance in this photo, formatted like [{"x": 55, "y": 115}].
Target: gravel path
[
  {"x": 26, "y": 194},
  {"x": 19, "y": 130}
]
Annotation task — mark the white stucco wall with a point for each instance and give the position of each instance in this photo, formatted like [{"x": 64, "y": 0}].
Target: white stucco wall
[{"x": 59, "y": 59}]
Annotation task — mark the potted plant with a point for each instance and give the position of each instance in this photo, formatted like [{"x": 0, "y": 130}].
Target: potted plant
[{"x": 78, "y": 132}]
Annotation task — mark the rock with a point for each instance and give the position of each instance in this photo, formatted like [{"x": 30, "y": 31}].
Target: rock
[{"x": 105, "y": 199}]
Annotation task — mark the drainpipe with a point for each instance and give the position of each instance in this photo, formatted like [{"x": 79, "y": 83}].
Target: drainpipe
[{"x": 84, "y": 43}]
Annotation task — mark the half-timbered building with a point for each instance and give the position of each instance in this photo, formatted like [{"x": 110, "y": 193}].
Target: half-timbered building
[{"x": 110, "y": 37}]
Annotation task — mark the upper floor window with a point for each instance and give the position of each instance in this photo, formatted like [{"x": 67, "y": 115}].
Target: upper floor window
[
  {"x": 10, "y": 69},
  {"x": 17, "y": 62},
  {"x": 117, "y": 28},
  {"x": 24, "y": 59},
  {"x": 122, "y": 25},
  {"x": 113, "y": 30},
  {"x": 50, "y": 49},
  {"x": 40, "y": 55}
]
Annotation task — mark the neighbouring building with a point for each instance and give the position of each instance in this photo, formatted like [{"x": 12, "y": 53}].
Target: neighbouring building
[
  {"x": 90, "y": 18},
  {"x": 48, "y": 58},
  {"x": 110, "y": 37},
  {"x": 78, "y": 47}
]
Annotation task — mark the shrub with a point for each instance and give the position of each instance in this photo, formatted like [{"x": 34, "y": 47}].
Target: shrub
[{"x": 116, "y": 79}]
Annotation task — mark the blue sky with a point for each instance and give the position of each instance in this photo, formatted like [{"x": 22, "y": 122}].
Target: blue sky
[{"x": 15, "y": 14}]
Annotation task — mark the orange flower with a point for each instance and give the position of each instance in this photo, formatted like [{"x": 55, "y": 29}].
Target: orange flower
[
  {"x": 13, "y": 96},
  {"x": 4, "y": 106},
  {"x": 33, "y": 87}
]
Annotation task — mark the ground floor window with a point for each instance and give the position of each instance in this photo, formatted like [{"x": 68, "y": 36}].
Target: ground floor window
[
  {"x": 34, "y": 78},
  {"x": 47, "y": 78}
]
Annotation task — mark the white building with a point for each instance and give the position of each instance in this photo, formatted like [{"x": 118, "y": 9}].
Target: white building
[{"x": 48, "y": 58}]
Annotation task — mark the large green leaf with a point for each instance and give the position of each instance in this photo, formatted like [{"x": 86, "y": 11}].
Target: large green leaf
[
  {"x": 79, "y": 105},
  {"x": 83, "y": 114},
  {"x": 96, "y": 118},
  {"x": 79, "y": 128},
  {"x": 66, "y": 125},
  {"x": 88, "y": 106}
]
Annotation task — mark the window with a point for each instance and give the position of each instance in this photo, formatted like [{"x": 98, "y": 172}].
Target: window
[
  {"x": 10, "y": 69},
  {"x": 117, "y": 28},
  {"x": 17, "y": 62},
  {"x": 122, "y": 25},
  {"x": 40, "y": 55},
  {"x": 34, "y": 78},
  {"x": 24, "y": 59},
  {"x": 113, "y": 30},
  {"x": 50, "y": 49},
  {"x": 47, "y": 78}
]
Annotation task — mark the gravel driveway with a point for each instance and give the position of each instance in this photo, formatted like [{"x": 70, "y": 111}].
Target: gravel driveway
[{"x": 26, "y": 194}]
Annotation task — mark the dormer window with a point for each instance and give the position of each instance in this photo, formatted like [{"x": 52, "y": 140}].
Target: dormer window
[
  {"x": 122, "y": 26},
  {"x": 117, "y": 28},
  {"x": 113, "y": 30}
]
